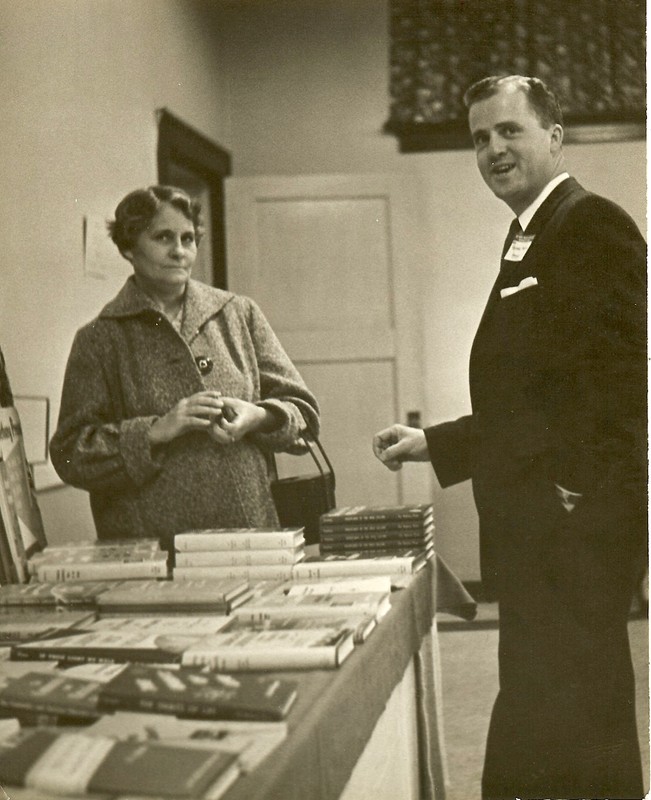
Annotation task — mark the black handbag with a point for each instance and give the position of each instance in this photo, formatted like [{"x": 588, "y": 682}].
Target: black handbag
[{"x": 301, "y": 499}]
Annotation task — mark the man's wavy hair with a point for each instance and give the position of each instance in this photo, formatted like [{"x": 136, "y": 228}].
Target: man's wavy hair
[
  {"x": 542, "y": 100},
  {"x": 135, "y": 212}
]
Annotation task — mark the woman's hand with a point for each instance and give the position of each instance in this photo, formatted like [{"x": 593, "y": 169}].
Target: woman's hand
[
  {"x": 194, "y": 413},
  {"x": 238, "y": 418}
]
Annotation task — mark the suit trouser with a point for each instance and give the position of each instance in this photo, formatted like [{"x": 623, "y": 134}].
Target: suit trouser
[{"x": 563, "y": 724}]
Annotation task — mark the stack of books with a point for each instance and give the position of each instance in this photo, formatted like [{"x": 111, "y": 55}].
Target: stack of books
[
  {"x": 203, "y": 596},
  {"x": 156, "y": 639},
  {"x": 51, "y": 762},
  {"x": 366, "y": 529},
  {"x": 372, "y": 540},
  {"x": 352, "y": 604},
  {"x": 250, "y": 553},
  {"x": 100, "y": 560}
]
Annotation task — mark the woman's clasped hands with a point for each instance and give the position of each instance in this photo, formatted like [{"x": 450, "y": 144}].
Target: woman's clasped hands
[{"x": 225, "y": 419}]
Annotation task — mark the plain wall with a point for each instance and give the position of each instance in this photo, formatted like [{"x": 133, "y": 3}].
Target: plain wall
[{"x": 289, "y": 87}]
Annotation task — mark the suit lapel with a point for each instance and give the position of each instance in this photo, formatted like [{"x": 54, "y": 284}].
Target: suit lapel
[{"x": 511, "y": 273}]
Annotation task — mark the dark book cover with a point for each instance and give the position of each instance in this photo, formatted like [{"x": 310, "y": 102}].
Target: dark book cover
[
  {"x": 379, "y": 527},
  {"x": 348, "y": 514},
  {"x": 372, "y": 542},
  {"x": 195, "y": 694},
  {"x": 47, "y": 698},
  {"x": 95, "y": 647},
  {"x": 59, "y": 763}
]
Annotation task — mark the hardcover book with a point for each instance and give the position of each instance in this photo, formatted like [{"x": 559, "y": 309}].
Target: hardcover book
[
  {"x": 315, "y": 648},
  {"x": 97, "y": 646},
  {"x": 249, "y": 740},
  {"x": 383, "y": 528},
  {"x": 181, "y": 596},
  {"x": 339, "y": 604},
  {"x": 75, "y": 763},
  {"x": 187, "y": 624},
  {"x": 359, "y": 563},
  {"x": 24, "y": 625},
  {"x": 99, "y": 549},
  {"x": 350, "y": 543},
  {"x": 245, "y": 558},
  {"x": 198, "y": 694},
  {"x": 97, "y": 566},
  {"x": 272, "y": 572},
  {"x": 416, "y": 512},
  {"x": 361, "y": 625},
  {"x": 239, "y": 539},
  {"x": 50, "y": 698},
  {"x": 338, "y": 583},
  {"x": 81, "y": 594}
]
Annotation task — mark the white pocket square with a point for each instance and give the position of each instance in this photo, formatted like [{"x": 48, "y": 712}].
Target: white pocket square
[{"x": 525, "y": 283}]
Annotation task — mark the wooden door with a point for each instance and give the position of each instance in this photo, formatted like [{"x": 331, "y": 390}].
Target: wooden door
[{"x": 333, "y": 263}]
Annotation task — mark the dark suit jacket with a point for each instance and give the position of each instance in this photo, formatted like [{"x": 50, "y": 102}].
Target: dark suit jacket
[{"x": 557, "y": 383}]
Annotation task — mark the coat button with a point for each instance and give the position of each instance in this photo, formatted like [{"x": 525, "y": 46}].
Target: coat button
[{"x": 204, "y": 364}]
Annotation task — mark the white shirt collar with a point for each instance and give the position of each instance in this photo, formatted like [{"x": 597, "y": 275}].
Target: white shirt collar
[{"x": 527, "y": 215}]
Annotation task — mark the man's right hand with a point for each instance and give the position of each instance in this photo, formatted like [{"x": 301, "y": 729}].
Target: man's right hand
[{"x": 399, "y": 443}]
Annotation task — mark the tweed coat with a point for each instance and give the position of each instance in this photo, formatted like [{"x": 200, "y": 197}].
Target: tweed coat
[
  {"x": 558, "y": 390},
  {"x": 128, "y": 367}
]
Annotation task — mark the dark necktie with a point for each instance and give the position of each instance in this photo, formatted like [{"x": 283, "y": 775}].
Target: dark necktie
[{"x": 513, "y": 231}]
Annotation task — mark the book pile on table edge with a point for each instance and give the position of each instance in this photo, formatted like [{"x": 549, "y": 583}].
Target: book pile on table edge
[
  {"x": 251, "y": 553},
  {"x": 121, "y": 559}
]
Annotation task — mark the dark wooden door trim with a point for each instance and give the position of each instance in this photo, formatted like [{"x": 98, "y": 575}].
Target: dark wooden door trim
[{"x": 180, "y": 144}]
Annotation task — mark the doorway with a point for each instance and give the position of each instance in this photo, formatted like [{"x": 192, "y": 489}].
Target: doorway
[{"x": 192, "y": 162}]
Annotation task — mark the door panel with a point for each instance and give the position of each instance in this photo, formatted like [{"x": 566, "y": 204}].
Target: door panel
[{"x": 333, "y": 262}]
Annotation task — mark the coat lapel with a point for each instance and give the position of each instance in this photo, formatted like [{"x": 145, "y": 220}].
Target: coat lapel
[{"x": 201, "y": 303}]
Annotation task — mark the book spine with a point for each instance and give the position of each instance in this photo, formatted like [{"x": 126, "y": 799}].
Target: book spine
[
  {"x": 89, "y": 657},
  {"x": 255, "y": 616},
  {"x": 273, "y": 572},
  {"x": 375, "y": 542},
  {"x": 244, "y": 558},
  {"x": 234, "y": 659},
  {"x": 401, "y": 518},
  {"x": 184, "y": 709},
  {"x": 59, "y": 573},
  {"x": 332, "y": 569},
  {"x": 32, "y": 718},
  {"x": 344, "y": 527},
  {"x": 236, "y": 541}
]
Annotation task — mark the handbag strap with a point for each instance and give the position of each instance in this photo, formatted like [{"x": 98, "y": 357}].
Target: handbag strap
[{"x": 324, "y": 455}]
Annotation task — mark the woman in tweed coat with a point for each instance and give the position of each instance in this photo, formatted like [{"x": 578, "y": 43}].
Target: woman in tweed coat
[{"x": 177, "y": 393}]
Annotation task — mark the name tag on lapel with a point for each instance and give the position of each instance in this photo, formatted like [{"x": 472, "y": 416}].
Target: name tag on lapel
[{"x": 519, "y": 246}]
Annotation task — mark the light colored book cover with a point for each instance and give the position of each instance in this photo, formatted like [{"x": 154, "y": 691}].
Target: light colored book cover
[
  {"x": 359, "y": 563},
  {"x": 187, "y": 624},
  {"x": 283, "y": 604},
  {"x": 239, "y": 539},
  {"x": 273, "y": 572},
  {"x": 153, "y": 565},
  {"x": 244, "y": 558},
  {"x": 251, "y": 741},
  {"x": 314, "y": 648}
]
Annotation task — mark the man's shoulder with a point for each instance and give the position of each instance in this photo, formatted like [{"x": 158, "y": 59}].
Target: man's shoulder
[{"x": 585, "y": 212}]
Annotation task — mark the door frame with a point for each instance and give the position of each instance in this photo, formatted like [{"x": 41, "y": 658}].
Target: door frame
[{"x": 180, "y": 144}]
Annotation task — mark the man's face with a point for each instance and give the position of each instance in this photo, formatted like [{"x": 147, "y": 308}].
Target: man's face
[{"x": 516, "y": 156}]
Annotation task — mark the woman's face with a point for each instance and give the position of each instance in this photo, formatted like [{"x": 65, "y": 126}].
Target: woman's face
[{"x": 165, "y": 251}]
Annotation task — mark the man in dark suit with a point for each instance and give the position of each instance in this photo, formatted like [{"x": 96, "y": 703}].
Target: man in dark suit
[{"x": 556, "y": 449}]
